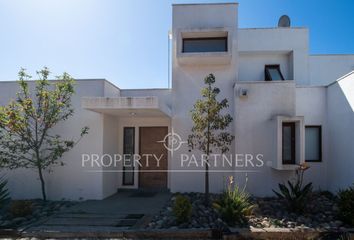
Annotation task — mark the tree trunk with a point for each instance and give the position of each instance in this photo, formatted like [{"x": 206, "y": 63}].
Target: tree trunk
[
  {"x": 207, "y": 173},
  {"x": 42, "y": 183},
  {"x": 207, "y": 183}
]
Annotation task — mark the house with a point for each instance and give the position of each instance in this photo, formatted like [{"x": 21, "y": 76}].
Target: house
[{"x": 288, "y": 107}]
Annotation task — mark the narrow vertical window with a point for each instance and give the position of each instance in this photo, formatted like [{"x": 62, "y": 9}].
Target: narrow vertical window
[
  {"x": 273, "y": 73},
  {"x": 128, "y": 150},
  {"x": 313, "y": 143},
  {"x": 288, "y": 143}
]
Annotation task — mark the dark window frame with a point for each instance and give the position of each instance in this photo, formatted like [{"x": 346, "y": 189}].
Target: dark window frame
[
  {"x": 268, "y": 76},
  {"x": 320, "y": 139},
  {"x": 204, "y": 38},
  {"x": 292, "y": 125},
  {"x": 124, "y": 152}
]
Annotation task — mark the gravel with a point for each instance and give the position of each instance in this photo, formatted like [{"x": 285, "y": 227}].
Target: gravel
[{"x": 270, "y": 212}]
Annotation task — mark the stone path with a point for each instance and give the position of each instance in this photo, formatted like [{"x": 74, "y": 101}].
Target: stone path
[{"x": 123, "y": 211}]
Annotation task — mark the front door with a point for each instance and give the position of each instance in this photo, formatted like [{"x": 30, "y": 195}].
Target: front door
[{"x": 153, "y": 169}]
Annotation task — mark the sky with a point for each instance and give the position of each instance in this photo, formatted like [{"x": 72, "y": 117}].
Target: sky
[{"x": 126, "y": 41}]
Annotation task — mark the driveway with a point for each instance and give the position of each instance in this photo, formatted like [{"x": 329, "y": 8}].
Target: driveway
[{"x": 124, "y": 210}]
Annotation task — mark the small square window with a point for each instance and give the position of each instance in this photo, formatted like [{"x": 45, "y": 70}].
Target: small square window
[
  {"x": 313, "y": 143},
  {"x": 273, "y": 73}
]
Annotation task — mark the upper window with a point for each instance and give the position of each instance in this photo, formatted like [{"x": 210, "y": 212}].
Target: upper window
[
  {"x": 215, "y": 44},
  {"x": 273, "y": 73},
  {"x": 313, "y": 144}
]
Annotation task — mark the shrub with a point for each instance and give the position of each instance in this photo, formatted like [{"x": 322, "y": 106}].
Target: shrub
[
  {"x": 20, "y": 208},
  {"x": 182, "y": 209},
  {"x": 295, "y": 194},
  {"x": 234, "y": 204},
  {"x": 4, "y": 193},
  {"x": 346, "y": 205}
]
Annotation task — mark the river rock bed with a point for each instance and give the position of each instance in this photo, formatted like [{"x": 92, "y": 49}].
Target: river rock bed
[
  {"x": 271, "y": 212},
  {"x": 202, "y": 217},
  {"x": 321, "y": 213}
]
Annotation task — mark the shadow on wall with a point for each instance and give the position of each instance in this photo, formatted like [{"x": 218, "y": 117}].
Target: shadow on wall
[{"x": 340, "y": 116}]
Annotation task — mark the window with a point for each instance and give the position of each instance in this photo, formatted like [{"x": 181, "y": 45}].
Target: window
[
  {"x": 273, "y": 73},
  {"x": 288, "y": 143},
  {"x": 128, "y": 148},
  {"x": 313, "y": 143},
  {"x": 215, "y": 44}
]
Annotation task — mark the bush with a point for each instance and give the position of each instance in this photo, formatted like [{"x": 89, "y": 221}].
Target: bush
[
  {"x": 346, "y": 205},
  {"x": 295, "y": 194},
  {"x": 20, "y": 208},
  {"x": 234, "y": 204},
  {"x": 4, "y": 193},
  {"x": 182, "y": 209}
]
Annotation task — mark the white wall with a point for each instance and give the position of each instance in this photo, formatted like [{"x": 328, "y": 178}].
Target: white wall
[
  {"x": 110, "y": 147},
  {"x": 311, "y": 102},
  {"x": 325, "y": 69},
  {"x": 251, "y": 65},
  {"x": 71, "y": 181},
  {"x": 279, "y": 40},
  {"x": 163, "y": 94},
  {"x": 340, "y": 114},
  {"x": 256, "y": 133},
  {"x": 187, "y": 81}
]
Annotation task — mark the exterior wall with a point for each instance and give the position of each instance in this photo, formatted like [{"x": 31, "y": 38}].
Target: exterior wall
[
  {"x": 188, "y": 79},
  {"x": 251, "y": 65},
  {"x": 325, "y": 69},
  {"x": 311, "y": 102},
  {"x": 71, "y": 181},
  {"x": 340, "y": 115},
  {"x": 164, "y": 95},
  {"x": 110, "y": 146},
  {"x": 110, "y": 90},
  {"x": 293, "y": 41},
  {"x": 255, "y": 131}
]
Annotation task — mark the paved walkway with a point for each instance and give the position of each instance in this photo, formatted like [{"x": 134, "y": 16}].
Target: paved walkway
[{"x": 122, "y": 211}]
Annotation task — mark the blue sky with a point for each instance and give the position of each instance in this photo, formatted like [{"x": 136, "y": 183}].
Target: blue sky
[{"x": 126, "y": 41}]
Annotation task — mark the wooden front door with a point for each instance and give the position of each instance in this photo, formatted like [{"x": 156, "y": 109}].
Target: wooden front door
[{"x": 153, "y": 174}]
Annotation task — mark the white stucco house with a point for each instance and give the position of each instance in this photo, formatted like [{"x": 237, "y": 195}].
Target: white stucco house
[{"x": 287, "y": 105}]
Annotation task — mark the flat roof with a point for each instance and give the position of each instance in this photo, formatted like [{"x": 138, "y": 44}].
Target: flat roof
[{"x": 192, "y": 4}]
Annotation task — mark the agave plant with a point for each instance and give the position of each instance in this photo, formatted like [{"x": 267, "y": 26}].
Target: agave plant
[
  {"x": 4, "y": 193},
  {"x": 295, "y": 194},
  {"x": 234, "y": 204}
]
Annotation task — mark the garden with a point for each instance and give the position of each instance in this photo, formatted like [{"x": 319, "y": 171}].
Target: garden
[{"x": 295, "y": 206}]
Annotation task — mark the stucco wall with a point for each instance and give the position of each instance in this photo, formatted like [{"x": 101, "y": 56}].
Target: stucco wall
[
  {"x": 340, "y": 115},
  {"x": 110, "y": 147},
  {"x": 325, "y": 69},
  {"x": 251, "y": 65},
  {"x": 292, "y": 41},
  {"x": 256, "y": 133},
  {"x": 187, "y": 81},
  {"x": 311, "y": 102},
  {"x": 163, "y": 94},
  {"x": 71, "y": 181}
]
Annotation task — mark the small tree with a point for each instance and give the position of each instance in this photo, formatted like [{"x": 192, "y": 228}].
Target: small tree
[
  {"x": 26, "y": 136},
  {"x": 209, "y": 131}
]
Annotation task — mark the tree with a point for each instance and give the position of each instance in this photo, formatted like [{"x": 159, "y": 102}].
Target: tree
[
  {"x": 209, "y": 126},
  {"x": 27, "y": 138}
]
